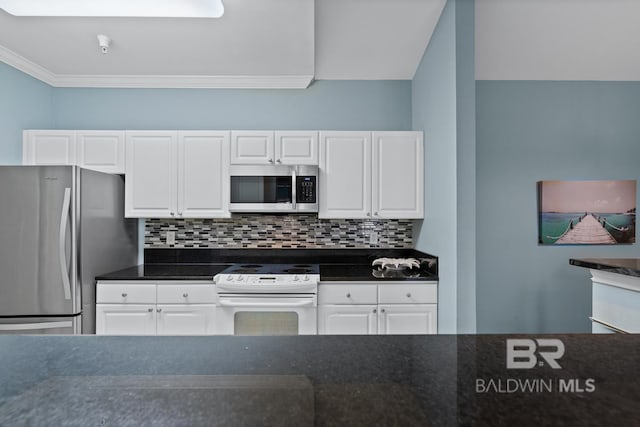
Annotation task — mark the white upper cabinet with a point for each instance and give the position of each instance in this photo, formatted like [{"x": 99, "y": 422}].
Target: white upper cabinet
[
  {"x": 345, "y": 175},
  {"x": 49, "y": 147},
  {"x": 252, "y": 147},
  {"x": 398, "y": 175},
  {"x": 371, "y": 175},
  {"x": 151, "y": 174},
  {"x": 296, "y": 147},
  {"x": 177, "y": 174},
  {"x": 255, "y": 147},
  {"x": 100, "y": 150},
  {"x": 203, "y": 174}
]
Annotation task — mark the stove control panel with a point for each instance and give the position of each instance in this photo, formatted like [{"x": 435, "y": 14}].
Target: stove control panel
[{"x": 266, "y": 282}]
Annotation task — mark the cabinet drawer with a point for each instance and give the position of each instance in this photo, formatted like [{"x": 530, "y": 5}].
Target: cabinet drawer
[
  {"x": 126, "y": 294},
  {"x": 347, "y": 294},
  {"x": 186, "y": 294},
  {"x": 408, "y": 294},
  {"x": 617, "y": 307}
]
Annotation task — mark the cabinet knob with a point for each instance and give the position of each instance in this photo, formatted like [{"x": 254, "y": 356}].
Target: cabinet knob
[
  {"x": 375, "y": 310},
  {"x": 185, "y": 295},
  {"x": 408, "y": 294},
  {"x": 348, "y": 295},
  {"x": 150, "y": 310},
  {"x": 375, "y": 214},
  {"x": 158, "y": 310},
  {"x": 368, "y": 213},
  {"x": 179, "y": 213},
  {"x": 382, "y": 310},
  {"x": 270, "y": 160},
  {"x": 124, "y": 295},
  {"x": 172, "y": 213},
  {"x": 279, "y": 161}
]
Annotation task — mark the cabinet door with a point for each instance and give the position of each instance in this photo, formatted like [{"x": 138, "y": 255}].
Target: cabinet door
[
  {"x": 296, "y": 148},
  {"x": 151, "y": 174},
  {"x": 100, "y": 150},
  {"x": 186, "y": 319},
  {"x": 398, "y": 175},
  {"x": 125, "y": 319},
  {"x": 347, "y": 320},
  {"x": 345, "y": 175},
  {"x": 49, "y": 147},
  {"x": 203, "y": 174},
  {"x": 413, "y": 319},
  {"x": 252, "y": 147}
]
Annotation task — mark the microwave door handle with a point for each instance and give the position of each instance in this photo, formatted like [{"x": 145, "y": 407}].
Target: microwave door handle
[
  {"x": 230, "y": 303},
  {"x": 294, "y": 186}
]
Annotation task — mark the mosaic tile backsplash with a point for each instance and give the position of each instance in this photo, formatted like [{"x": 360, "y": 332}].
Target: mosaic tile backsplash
[{"x": 279, "y": 231}]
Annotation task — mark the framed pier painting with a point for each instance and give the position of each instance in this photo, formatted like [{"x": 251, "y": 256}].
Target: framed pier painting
[{"x": 586, "y": 212}]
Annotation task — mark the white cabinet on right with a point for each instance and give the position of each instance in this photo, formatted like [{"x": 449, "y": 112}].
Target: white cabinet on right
[
  {"x": 371, "y": 175},
  {"x": 383, "y": 309}
]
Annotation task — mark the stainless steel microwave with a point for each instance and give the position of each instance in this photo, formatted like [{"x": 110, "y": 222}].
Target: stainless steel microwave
[{"x": 274, "y": 188}]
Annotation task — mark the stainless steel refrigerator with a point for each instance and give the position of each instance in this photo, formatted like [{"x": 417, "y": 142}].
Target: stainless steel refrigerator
[{"x": 60, "y": 227}]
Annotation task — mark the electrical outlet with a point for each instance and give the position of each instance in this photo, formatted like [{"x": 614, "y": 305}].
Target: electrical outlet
[
  {"x": 171, "y": 237},
  {"x": 373, "y": 237}
]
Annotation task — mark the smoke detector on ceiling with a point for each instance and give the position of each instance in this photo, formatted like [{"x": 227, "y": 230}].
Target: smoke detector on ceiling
[{"x": 104, "y": 42}]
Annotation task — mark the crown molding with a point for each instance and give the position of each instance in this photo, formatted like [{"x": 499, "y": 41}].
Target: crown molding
[
  {"x": 19, "y": 62},
  {"x": 184, "y": 82}
]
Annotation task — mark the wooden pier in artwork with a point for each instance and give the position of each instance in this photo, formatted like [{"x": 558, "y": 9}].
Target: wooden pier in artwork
[{"x": 588, "y": 230}]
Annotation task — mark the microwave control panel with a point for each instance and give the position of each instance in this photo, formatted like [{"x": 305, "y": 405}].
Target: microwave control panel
[{"x": 306, "y": 189}]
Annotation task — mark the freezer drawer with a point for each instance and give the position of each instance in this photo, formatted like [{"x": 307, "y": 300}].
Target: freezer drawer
[{"x": 40, "y": 325}]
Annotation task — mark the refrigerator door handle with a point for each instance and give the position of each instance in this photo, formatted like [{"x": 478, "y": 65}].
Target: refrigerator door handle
[
  {"x": 31, "y": 326},
  {"x": 64, "y": 219}
]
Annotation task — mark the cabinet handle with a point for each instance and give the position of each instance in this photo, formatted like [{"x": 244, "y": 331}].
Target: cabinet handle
[
  {"x": 158, "y": 310},
  {"x": 150, "y": 310},
  {"x": 124, "y": 295},
  {"x": 185, "y": 295},
  {"x": 348, "y": 295},
  {"x": 408, "y": 294}
]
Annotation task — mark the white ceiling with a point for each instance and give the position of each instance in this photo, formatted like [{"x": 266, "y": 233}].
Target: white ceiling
[
  {"x": 257, "y": 43},
  {"x": 558, "y": 40},
  {"x": 288, "y": 43}
]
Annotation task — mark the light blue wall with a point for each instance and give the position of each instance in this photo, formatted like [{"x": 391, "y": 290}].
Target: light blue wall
[
  {"x": 339, "y": 105},
  {"x": 25, "y": 103},
  {"x": 443, "y": 100},
  {"x": 531, "y": 131},
  {"x": 466, "y": 164},
  {"x": 434, "y": 113}
]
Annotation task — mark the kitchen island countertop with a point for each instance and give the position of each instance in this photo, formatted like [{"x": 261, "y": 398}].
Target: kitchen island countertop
[
  {"x": 625, "y": 266},
  {"x": 333, "y": 380}
]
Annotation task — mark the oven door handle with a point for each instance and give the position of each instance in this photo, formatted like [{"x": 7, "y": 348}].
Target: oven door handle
[{"x": 232, "y": 303}]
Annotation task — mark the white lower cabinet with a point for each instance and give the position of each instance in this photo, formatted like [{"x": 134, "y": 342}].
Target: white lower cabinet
[
  {"x": 158, "y": 308},
  {"x": 383, "y": 309},
  {"x": 347, "y": 320},
  {"x": 125, "y": 319}
]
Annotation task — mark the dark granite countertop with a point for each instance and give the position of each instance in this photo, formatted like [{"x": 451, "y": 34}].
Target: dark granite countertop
[
  {"x": 315, "y": 380},
  {"x": 626, "y": 266},
  {"x": 166, "y": 272},
  {"x": 335, "y": 265}
]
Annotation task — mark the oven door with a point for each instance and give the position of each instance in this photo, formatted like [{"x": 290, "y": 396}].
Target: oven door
[{"x": 267, "y": 314}]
